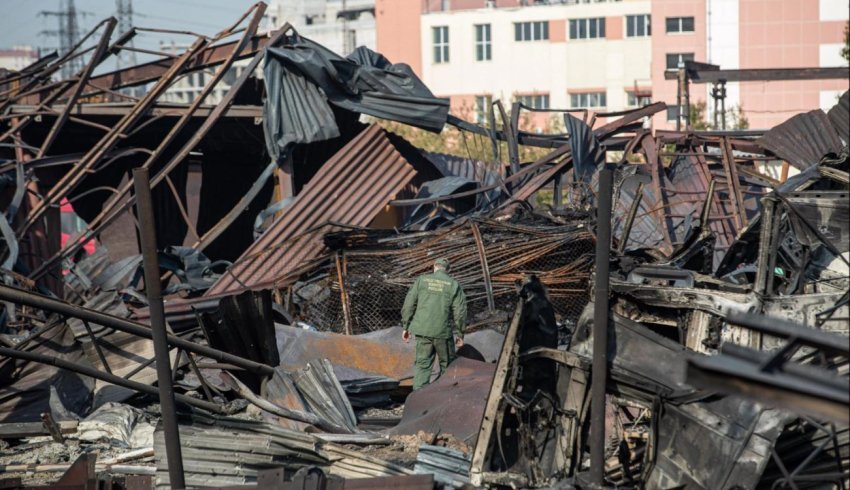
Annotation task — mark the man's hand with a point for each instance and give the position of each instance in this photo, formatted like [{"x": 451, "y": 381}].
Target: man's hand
[
  {"x": 458, "y": 342},
  {"x": 405, "y": 336}
]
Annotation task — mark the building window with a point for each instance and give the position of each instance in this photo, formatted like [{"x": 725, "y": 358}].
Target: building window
[
  {"x": 441, "y": 44},
  {"x": 539, "y": 101},
  {"x": 531, "y": 31},
  {"x": 680, "y": 24},
  {"x": 672, "y": 114},
  {"x": 674, "y": 59},
  {"x": 588, "y": 100},
  {"x": 637, "y": 100},
  {"x": 587, "y": 28},
  {"x": 637, "y": 26},
  {"x": 482, "y": 43},
  {"x": 482, "y": 108}
]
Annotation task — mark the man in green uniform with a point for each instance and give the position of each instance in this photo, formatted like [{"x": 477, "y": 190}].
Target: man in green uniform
[{"x": 434, "y": 307}]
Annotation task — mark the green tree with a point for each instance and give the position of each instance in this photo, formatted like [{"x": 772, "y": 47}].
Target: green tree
[
  {"x": 735, "y": 118},
  {"x": 845, "y": 51},
  {"x": 452, "y": 141}
]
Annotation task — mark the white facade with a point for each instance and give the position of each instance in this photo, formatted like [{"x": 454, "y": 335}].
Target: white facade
[
  {"x": 18, "y": 57},
  {"x": 558, "y": 66},
  {"x": 722, "y": 47},
  {"x": 339, "y": 25}
]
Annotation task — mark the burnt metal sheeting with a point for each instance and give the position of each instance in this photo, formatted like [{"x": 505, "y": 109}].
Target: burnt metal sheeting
[
  {"x": 803, "y": 140},
  {"x": 380, "y": 353},
  {"x": 457, "y": 166},
  {"x": 454, "y": 404},
  {"x": 352, "y": 187},
  {"x": 302, "y": 78},
  {"x": 220, "y": 451},
  {"x": 323, "y": 394},
  {"x": 735, "y": 435},
  {"x": 363, "y": 389},
  {"x": 839, "y": 116},
  {"x": 30, "y": 389},
  {"x": 449, "y": 466}
]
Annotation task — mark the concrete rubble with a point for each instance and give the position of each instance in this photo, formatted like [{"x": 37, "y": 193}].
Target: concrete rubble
[{"x": 721, "y": 357}]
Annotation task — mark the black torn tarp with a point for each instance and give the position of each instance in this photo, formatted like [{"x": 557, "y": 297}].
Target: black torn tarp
[{"x": 302, "y": 78}]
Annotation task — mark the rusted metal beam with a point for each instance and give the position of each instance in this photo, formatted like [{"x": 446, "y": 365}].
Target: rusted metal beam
[
  {"x": 113, "y": 210},
  {"x": 731, "y": 171},
  {"x": 154, "y": 70},
  {"x": 702, "y": 75},
  {"x": 601, "y": 307},
  {"x": 71, "y": 179},
  {"x": 630, "y": 219},
  {"x": 346, "y": 307},
  {"x": 527, "y": 170},
  {"x": 96, "y": 58},
  {"x": 147, "y": 232},
  {"x": 97, "y": 374},
  {"x": 19, "y": 296},
  {"x": 650, "y": 148},
  {"x": 485, "y": 269},
  {"x": 507, "y": 357},
  {"x": 614, "y": 126}
]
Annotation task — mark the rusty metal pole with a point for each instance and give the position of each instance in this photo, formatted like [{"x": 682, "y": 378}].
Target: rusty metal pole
[
  {"x": 144, "y": 205},
  {"x": 599, "y": 371}
]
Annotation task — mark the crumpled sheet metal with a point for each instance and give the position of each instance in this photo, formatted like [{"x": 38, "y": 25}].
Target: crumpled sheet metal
[
  {"x": 36, "y": 388},
  {"x": 839, "y": 116},
  {"x": 322, "y": 392},
  {"x": 454, "y": 404},
  {"x": 803, "y": 140},
  {"x": 381, "y": 352},
  {"x": 352, "y": 187},
  {"x": 221, "y": 451},
  {"x": 449, "y": 466},
  {"x": 735, "y": 435},
  {"x": 302, "y": 78}
]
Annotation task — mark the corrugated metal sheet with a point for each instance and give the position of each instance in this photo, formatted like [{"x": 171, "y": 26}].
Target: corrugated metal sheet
[
  {"x": 455, "y": 166},
  {"x": 222, "y": 451},
  {"x": 839, "y": 116},
  {"x": 803, "y": 140},
  {"x": 352, "y": 187}
]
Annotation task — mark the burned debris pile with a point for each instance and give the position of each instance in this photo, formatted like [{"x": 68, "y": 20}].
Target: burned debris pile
[{"x": 288, "y": 226}]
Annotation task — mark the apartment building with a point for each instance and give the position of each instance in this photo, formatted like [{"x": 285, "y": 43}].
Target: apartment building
[
  {"x": 18, "y": 57},
  {"x": 611, "y": 55},
  {"x": 742, "y": 34},
  {"x": 576, "y": 55}
]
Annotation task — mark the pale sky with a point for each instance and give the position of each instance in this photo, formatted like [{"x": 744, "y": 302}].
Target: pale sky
[{"x": 22, "y": 24}]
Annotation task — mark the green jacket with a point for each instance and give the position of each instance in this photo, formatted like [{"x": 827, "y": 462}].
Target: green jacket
[{"x": 434, "y": 303}]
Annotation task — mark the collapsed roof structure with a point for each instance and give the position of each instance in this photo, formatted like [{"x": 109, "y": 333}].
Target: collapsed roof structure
[{"x": 288, "y": 231}]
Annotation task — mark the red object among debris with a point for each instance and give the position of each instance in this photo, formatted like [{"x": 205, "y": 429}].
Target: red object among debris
[{"x": 71, "y": 225}]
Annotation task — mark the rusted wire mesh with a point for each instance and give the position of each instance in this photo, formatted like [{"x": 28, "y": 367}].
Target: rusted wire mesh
[{"x": 377, "y": 279}]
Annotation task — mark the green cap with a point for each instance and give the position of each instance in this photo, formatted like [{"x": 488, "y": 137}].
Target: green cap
[{"x": 442, "y": 262}]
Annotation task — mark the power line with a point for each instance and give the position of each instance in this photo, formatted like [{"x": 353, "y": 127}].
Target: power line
[
  {"x": 178, "y": 21},
  {"x": 68, "y": 33},
  {"x": 124, "y": 12}
]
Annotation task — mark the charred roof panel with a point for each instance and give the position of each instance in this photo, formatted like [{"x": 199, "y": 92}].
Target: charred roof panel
[
  {"x": 352, "y": 188},
  {"x": 803, "y": 140},
  {"x": 839, "y": 116}
]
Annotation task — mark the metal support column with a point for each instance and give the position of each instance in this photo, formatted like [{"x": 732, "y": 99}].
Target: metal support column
[
  {"x": 144, "y": 205},
  {"x": 599, "y": 372}
]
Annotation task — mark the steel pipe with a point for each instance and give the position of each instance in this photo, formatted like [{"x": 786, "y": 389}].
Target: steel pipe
[
  {"x": 599, "y": 370},
  {"x": 19, "y": 296}
]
